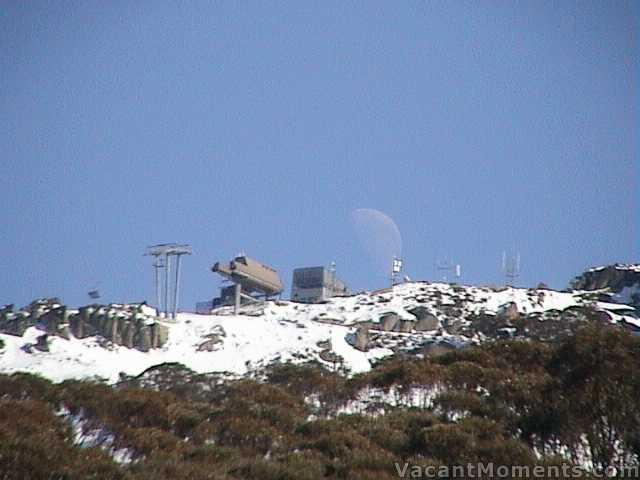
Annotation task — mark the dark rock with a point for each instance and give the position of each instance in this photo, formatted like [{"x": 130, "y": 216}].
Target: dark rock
[
  {"x": 64, "y": 332},
  {"x": 361, "y": 338},
  {"x": 209, "y": 345},
  {"x": 162, "y": 334},
  {"x": 330, "y": 356},
  {"x": 142, "y": 340},
  {"x": 427, "y": 323},
  {"x": 437, "y": 349},
  {"x": 16, "y": 323},
  {"x": 42, "y": 343},
  {"x": 613, "y": 278},
  {"x": 508, "y": 311},
  {"x": 389, "y": 321},
  {"x": 405, "y": 326},
  {"x": 128, "y": 333}
]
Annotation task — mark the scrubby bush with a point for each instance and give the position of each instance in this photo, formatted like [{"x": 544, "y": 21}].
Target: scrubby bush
[{"x": 497, "y": 403}]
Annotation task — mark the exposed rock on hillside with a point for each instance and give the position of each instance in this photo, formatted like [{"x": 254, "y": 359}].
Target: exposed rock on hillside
[
  {"x": 132, "y": 326},
  {"x": 618, "y": 283},
  {"x": 348, "y": 334}
]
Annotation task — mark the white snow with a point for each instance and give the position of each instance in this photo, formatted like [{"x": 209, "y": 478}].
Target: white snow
[
  {"x": 633, "y": 267},
  {"x": 284, "y": 331},
  {"x": 249, "y": 341},
  {"x": 86, "y": 436}
]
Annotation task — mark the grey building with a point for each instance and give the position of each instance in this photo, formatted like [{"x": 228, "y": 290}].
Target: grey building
[{"x": 315, "y": 284}]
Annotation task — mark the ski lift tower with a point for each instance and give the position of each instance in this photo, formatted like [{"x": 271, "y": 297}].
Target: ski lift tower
[{"x": 164, "y": 256}]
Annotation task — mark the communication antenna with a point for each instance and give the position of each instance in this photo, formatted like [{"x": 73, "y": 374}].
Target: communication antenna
[
  {"x": 164, "y": 256},
  {"x": 443, "y": 269},
  {"x": 511, "y": 268},
  {"x": 332, "y": 267},
  {"x": 332, "y": 274},
  {"x": 396, "y": 268}
]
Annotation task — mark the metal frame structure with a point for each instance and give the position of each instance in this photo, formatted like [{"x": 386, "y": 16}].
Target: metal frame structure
[
  {"x": 511, "y": 268},
  {"x": 167, "y": 299},
  {"x": 445, "y": 267}
]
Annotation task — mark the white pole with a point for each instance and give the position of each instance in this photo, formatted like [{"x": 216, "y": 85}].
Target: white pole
[
  {"x": 167, "y": 276},
  {"x": 177, "y": 287}
]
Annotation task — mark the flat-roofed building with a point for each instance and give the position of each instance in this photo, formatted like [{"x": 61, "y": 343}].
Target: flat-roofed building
[{"x": 315, "y": 284}]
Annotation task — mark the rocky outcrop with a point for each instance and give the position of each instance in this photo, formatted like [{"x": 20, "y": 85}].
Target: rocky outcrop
[
  {"x": 611, "y": 282},
  {"x": 360, "y": 340},
  {"x": 46, "y": 312},
  {"x": 330, "y": 356},
  {"x": 509, "y": 312},
  {"x": 389, "y": 321},
  {"x": 41, "y": 345},
  {"x": 213, "y": 340},
  {"x": 550, "y": 326},
  {"x": 405, "y": 326},
  {"x": 426, "y": 321},
  {"x": 613, "y": 277},
  {"x": 14, "y": 323},
  {"x": 126, "y": 325}
]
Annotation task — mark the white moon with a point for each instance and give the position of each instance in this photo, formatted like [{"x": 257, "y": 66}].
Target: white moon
[{"x": 379, "y": 236}]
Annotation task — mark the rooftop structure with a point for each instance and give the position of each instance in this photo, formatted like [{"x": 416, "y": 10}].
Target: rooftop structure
[
  {"x": 316, "y": 284},
  {"x": 252, "y": 280}
]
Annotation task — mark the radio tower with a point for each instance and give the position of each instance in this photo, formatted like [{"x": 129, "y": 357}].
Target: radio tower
[
  {"x": 446, "y": 268},
  {"x": 442, "y": 269},
  {"x": 511, "y": 268}
]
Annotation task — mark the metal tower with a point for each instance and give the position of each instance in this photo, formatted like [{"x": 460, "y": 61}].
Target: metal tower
[
  {"x": 511, "y": 268},
  {"x": 164, "y": 256},
  {"x": 446, "y": 268}
]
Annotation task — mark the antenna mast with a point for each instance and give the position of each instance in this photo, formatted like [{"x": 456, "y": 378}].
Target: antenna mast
[
  {"x": 445, "y": 268},
  {"x": 396, "y": 268},
  {"x": 511, "y": 268}
]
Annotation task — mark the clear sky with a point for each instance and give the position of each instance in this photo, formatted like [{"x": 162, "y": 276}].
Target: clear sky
[{"x": 259, "y": 126}]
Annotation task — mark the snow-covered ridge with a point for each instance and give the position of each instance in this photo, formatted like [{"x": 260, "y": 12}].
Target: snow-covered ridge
[
  {"x": 632, "y": 267},
  {"x": 349, "y": 333},
  {"x": 619, "y": 282}
]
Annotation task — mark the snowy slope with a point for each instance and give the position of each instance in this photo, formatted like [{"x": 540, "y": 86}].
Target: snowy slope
[
  {"x": 284, "y": 331},
  {"x": 249, "y": 342}
]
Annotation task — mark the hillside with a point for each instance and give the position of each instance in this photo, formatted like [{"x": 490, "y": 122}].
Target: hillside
[
  {"x": 566, "y": 406},
  {"x": 379, "y": 385},
  {"x": 347, "y": 334}
]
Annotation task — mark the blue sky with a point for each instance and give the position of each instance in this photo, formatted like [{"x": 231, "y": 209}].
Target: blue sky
[{"x": 259, "y": 127}]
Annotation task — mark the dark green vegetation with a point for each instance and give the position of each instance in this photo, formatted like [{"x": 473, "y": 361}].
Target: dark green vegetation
[{"x": 497, "y": 403}]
